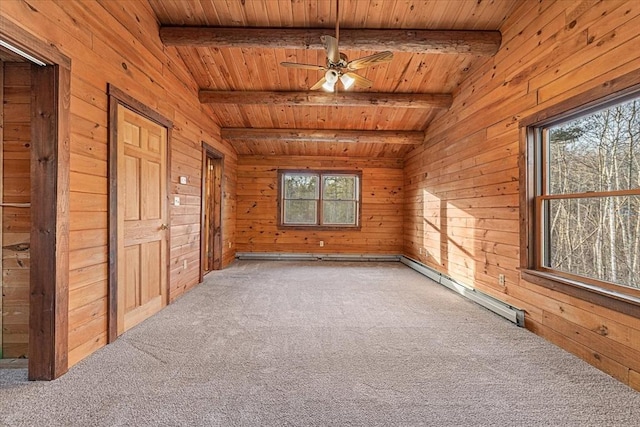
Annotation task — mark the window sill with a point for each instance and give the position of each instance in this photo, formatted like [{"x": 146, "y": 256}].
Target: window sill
[{"x": 614, "y": 300}]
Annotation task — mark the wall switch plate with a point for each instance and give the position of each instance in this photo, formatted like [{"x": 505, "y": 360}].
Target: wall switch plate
[
  {"x": 321, "y": 243},
  {"x": 420, "y": 251},
  {"x": 229, "y": 245},
  {"x": 183, "y": 180},
  {"x": 176, "y": 201},
  {"x": 501, "y": 279},
  {"x": 184, "y": 264}
]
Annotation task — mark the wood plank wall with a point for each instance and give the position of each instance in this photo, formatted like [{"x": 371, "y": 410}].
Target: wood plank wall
[
  {"x": 461, "y": 188},
  {"x": 382, "y": 198},
  {"x": 16, "y": 222},
  {"x": 117, "y": 42}
]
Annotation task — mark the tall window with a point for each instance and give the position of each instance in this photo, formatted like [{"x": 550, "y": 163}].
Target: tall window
[
  {"x": 586, "y": 204},
  {"x": 319, "y": 199}
]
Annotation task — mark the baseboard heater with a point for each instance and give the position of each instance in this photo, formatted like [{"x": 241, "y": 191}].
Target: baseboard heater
[
  {"x": 276, "y": 256},
  {"x": 501, "y": 308}
]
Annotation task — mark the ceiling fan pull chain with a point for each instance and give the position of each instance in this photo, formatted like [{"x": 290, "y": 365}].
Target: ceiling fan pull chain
[{"x": 338, "y": 67}]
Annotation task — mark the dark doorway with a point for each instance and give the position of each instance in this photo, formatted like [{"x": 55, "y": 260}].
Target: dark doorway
[
  {"x": 211, "y": 230},
  {"x": 46, "y": 96}
]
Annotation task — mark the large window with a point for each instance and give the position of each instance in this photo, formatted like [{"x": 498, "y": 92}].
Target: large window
[
  {"x": 319, "y": 199},
  {"x": 583, "y": 214}
]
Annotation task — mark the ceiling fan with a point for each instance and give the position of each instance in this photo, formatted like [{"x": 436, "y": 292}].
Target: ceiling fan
[{"x": 338, "y": 65}]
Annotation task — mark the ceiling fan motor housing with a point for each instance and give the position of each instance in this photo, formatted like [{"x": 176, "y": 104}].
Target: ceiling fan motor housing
[{"x": 340, "y": 64}]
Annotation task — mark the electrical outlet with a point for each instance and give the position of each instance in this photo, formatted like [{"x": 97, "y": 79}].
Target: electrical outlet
[
  {"x": 501, "y": 279},
  {"x": 183, "y": 180},
  {"x": 184, "y": 264},
  {"x": 229, "y": 245},
  {"x": 321, "y": 243},
  {"x": 176, "y": 201},
  {"x": 420, "y": 251}
]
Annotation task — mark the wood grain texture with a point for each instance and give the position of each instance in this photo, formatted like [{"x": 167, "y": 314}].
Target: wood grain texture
[
  {"x": 49, "y": 278},
  {"x": 322, "y": 99},
  {"x": 459, "y": 191},
  {"x": 257, "y": 217},
  {"x": 482, "y": 43},
  {"x": 121, "y": 42},
  {"x": 250, "y": 61},
  {"x": 462, "y": 193},
  {"x": 322, "y": 135},
  {"x": 16, "y": 221}
]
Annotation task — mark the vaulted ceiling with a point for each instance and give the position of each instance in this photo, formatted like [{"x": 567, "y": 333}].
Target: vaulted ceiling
[{"x": 234, "y": 48}]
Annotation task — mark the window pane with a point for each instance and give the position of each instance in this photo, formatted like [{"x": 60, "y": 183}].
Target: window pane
[
  {"x": 597, "y": 152},
  {"x": 595, "y": 237},
  {"x": 339, "y": 212},
  {"x": 300, "y": 211},
  {"x": 339, "y": 187},
  {"x": 300, "y": 186}
]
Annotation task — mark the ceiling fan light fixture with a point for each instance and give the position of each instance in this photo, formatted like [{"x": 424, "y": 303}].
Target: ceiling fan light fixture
[
  {"x": 331, "y": 77},
  {"x": 347, "y": 81},
  {"x": 329, "y": 87}
]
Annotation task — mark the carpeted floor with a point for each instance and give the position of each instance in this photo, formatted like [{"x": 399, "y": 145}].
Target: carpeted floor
[{"x": 327, "y": 344}]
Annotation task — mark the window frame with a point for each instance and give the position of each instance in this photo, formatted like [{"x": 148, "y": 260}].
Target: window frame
[
  {"x": 318, "y": 225},
  {"x": 532, "y": 182}
]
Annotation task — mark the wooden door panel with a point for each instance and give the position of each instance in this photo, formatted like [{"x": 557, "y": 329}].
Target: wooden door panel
[
  {"x": 142, "y": 218},
  {"x": 138, "y": 232},
  {"x": 151, "y": 257},
  {"x": 154, "y": 143},
  {"x": 151, "y": 184},
  {"x": 132, "y": 277},
  {"x": 130, "y": 134},
  {"x": 131, "y": 188}
]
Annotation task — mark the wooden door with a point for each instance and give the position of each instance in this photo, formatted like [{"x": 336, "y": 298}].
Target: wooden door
[{"x": 142, "y": 218}]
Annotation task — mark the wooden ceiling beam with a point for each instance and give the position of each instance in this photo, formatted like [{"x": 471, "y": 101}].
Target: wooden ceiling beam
[
  {"x": 325, "y": 99},
  {"x": 324, "y": 135},
  {"x": 483, "y": 43}
]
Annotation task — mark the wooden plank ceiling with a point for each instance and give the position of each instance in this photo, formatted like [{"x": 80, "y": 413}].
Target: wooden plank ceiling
[{"x": 233, "y": 49}]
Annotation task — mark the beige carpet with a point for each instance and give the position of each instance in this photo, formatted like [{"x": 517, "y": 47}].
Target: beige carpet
[{"x": 327, "y": 344}]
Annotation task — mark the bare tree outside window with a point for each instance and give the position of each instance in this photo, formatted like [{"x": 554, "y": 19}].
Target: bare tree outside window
[
  {"x": 340, "y": 199},
  {"x": 323, "y": 199},
  {"x": 301, "y": 194},
  {"x": 590, "y": 195}
]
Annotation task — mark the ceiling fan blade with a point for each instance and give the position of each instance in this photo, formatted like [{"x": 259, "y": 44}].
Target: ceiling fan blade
[
  {"x": 331, "y": 46},
  {"x": 319, "y": 84},
  {"x": 359, "y": 80},
  {"x": 303, "y": 66},
  {"x": 368, "y": 61}
]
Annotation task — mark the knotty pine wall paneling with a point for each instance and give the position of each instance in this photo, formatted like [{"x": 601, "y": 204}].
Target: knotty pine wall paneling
[
  {"x": 461, "y": 188},
  {"x": 257, "y": 216},
  {"x": 118, "y": 43},
  {"x": 16, "y": 221}
]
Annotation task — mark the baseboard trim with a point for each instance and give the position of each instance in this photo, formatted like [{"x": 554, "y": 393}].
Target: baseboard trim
[{"x": 278, "y": 256}]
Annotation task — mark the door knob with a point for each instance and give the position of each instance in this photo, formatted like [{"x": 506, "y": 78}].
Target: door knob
[{"x": 164, "y": 227}]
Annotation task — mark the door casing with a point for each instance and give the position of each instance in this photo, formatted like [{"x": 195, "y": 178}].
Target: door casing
[
  {"x": 209, "y": 152},
  {"x": 118, "y": 97},
  {"x": 49, "y": 241}
]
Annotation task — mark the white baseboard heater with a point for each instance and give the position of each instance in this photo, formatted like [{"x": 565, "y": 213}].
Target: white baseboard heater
[
  {"x": 277, "y": 256},
  {"x": 501, "y": 308}
]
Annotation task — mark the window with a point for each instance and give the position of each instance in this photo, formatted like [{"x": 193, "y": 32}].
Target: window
[
  {"x": 319, "y": 199},
  {"x": 582, "y": 219}
]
